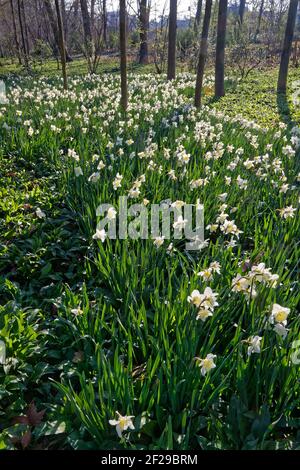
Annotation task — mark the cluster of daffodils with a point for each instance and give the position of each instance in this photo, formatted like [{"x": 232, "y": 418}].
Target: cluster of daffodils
[
  {"x": 205, "y": 302},
  {"x": 73, "y": 154},
  {"x": 182, "y": 156},
  {"x": 228, "y": 227},
  {"x": 295, "y": 139},
  {"x": 192, "y": 157},
  {"x": 117, "y": 182},
  {"x": 247, "y": 282},
  {"x": 135, "y": 191},
  {"x": 207, "y": 274},
  {"x": 278, "y": 319},
  {"x": 287, "y": 212}
]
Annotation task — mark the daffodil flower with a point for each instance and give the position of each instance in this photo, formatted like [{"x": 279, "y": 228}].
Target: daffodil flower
[
  {"x": 122, "y": 423},
  {"x": 206, "y": 364}
]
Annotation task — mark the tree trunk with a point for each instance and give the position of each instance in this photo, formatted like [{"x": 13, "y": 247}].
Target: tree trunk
[
  {"x": 172, "y": 40},
  {"x": 242, "y": 10},
  {"x": 15, "y": 31},
  {"x": 104, "y": 22},
  {"x": 93, "y": 15},
  {"x": 64, "y": 18},
  {"x": 25, "y": 30},
  {"x": 88, "y": 36},
  {"x": 86, "y": 21},
  {"x": 287, "y": 46},
  {"x": 261, "y": 10},
  {"x": 220, "y": 49},
  {"x": 53, "y": 23},
  {"x": 38, "y": 20},
  {"x": 62, "y": 47},
  {"x": 123, "y": 55},
  {"x": 22, "y": 34},
  {"x": 144, "y": 27},
  {"x": 202, "y": 53},
  {"x": 198, "y": 15}
]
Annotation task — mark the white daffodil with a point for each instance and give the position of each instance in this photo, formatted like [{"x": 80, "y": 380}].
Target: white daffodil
[
  {"x": 279, "y": 314},
  {"x": 94, "y": 177},
  {"x": 40, "y": 214},
  {"x": 76, "y": 311},
  {"x": 203, "y": 314},
  {"x": 2, "y": 352},
  {"x": 254, "y": 344},
  {"x": 122, "y": 423},
  {"x": 178, "y": 204},
  {"x": 215, "y": 267},
  {"x": 230, "y": 228},
  {"x": 159, "y": 241},
  {"x": 206, "y": 274},
  {"x": 281, "y": 330},
  {"x": 209, "y": 298},
  {"x": 117, "y": 181},
  {"x": 206, "y": 300},
  {"x": 223, "y": 197},
  {"x": 100, "y": 235},
  {"x": 240, "y": 283},
  {"x": 212, "y": 227},
  {"x": 195, "y": 298},
  {"x": 111, "y": 213},
  {"x": 180, "y": 223},
  {"x": 206, "y": 364},
  {"x": 287, "y": 212},
  {"x": 100, "y": 165},
  {"x": 78, "y": 171},
  {"x": 73, "y": 154}
]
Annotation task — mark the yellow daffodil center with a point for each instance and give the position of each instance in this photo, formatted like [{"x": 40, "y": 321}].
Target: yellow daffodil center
[
  {"x": 122, "y": 422},
  {"x": 207, "y": 364},
  {"x": 281, "y": 316}
]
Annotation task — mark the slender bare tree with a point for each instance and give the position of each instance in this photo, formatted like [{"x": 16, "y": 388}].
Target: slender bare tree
[
  {"x": 220, "y": 49},
  {"x": 144, "y": 12},
  {"x": 64, "y": 18},
  {"x": 93, "y": 15},
  {"x": 62, "y": 48},
  {"x": 242, "y": 10},
  {"x": 21, "y": 23},
  {"x": 23, "y": 13},
  {"x": 202, "y": 53},
  {"x": 287, "y": 46},
  {"x": 198, "y": 15},
  {"x": 15, "y": 31},
  {"x": 123, "y": 55},
  {"x": 87, "y": 29},
  {"x": 260, "y": 14},
  {"x": 104, "y": 19},
  {"x": 90, "y": 50},
  {"x": 172, "y": 40},
  {"x": 53, "y": 24}
]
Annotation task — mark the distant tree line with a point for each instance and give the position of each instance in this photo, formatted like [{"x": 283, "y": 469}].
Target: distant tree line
[{"x": 233, "y": 34}]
